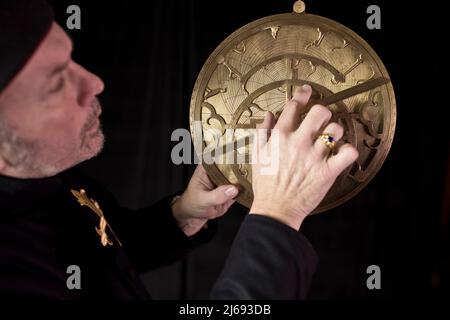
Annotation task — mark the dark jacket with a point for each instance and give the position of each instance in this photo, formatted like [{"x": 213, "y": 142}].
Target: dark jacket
[{"x": 44, "y": 230}]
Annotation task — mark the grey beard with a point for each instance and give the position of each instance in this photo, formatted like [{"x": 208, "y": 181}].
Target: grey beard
[
  {"x": 23, "y": 155},
  {"x": 14, "y": 149},
  {"x": 20, "y": 154}
]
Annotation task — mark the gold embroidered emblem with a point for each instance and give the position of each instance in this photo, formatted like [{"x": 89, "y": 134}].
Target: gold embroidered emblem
[{"x": 83, "y": 200}]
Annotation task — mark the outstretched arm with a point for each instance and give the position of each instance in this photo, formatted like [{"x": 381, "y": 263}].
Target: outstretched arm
[{"x": 269, "y": 258}]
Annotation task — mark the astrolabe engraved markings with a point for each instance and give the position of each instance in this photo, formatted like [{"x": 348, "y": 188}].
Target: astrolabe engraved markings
[{"x": 258, "y": 67}]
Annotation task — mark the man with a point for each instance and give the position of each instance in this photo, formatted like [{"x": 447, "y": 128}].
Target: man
[{"x": 53, "y": 219}]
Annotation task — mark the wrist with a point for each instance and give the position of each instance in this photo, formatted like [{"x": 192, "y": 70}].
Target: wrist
[
  {"x": 185, "y": 222},
  {"x": 280, "y": 214},
  {"x": 175, "y": 208}
]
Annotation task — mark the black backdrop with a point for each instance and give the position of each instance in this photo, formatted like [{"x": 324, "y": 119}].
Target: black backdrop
[{"x": 149, "y": 54}]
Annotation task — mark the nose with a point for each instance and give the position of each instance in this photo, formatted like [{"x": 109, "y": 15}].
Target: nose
[{"x": 90, "y": 85}]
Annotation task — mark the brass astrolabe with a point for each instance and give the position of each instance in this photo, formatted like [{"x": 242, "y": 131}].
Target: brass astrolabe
[{"x": 258, "y": 67}]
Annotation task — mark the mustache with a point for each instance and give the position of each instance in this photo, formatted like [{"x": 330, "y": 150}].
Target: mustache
[{"x": 96, "y": 110}]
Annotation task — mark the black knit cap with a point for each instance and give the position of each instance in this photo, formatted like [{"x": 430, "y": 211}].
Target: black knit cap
[{"x": 23, "y": 26}]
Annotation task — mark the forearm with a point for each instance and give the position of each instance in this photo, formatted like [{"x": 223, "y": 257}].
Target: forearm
[
  {"x": 268, "y": 260},
  {"x": 152, "y": 238}
]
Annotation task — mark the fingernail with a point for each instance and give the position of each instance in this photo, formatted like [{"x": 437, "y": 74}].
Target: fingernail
[
  {"x": 231, "y": 191},
  {"x": 306, "y": 87}
]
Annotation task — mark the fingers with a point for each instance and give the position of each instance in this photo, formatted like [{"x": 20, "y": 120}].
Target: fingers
[
  {"x": 346, "y": 155},
  {"x": 263, "y": 129},
  {"x": 219, "y": 210},
  {"x": 220, "y": 195},
  {"x": 290, "y": 117},
  {"x": 200, "y": 169},
  {"x": 200, "y": 177},
  {"x": 315, "y": 120},
  {"x": 335, "y": 131},
  {"x": 262, "y": 132}
]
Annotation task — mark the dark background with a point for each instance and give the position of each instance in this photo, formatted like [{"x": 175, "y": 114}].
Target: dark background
[{"x": 149, "y": 54}]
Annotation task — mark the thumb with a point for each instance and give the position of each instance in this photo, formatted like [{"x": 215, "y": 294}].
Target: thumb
[{"x": 220, "y": 195}]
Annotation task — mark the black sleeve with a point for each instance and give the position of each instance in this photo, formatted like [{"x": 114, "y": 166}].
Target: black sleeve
[
  {"x": 268, "y": 260},
  {"x": 151, "y": 237}
]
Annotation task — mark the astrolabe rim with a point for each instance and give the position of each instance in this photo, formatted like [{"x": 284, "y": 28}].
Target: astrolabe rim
[{"x": 307, "y": 20}]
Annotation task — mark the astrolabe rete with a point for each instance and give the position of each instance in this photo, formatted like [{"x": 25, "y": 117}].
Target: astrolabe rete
[{"x": 257, "y": 68}]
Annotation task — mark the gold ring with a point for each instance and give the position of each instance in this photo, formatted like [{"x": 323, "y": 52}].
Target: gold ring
[{"x": 328, "y": 139}]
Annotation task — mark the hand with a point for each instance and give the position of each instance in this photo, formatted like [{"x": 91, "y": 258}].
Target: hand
[
  {"x": 201, "y": 201},
  {"x": 305, "y": 171}
]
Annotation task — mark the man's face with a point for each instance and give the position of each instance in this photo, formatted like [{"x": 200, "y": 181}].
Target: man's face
[{"x": 49, "y": 113}]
